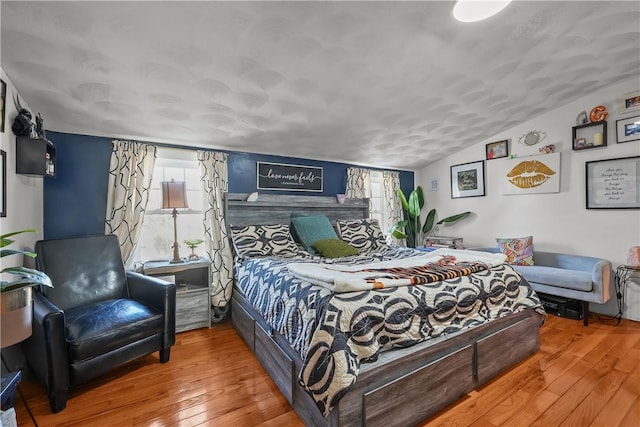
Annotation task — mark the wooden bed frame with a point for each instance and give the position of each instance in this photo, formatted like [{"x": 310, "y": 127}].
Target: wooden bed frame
[{"x": 404, "y": 386}]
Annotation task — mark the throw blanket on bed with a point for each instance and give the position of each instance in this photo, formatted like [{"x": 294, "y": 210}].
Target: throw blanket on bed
[{"x": 435, "y": 266}]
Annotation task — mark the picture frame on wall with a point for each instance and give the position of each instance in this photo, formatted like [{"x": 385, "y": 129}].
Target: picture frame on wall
[
  {"x": 630, "y": 102},
  {"x": 497, "y": 150},
  {"x": 467, "y": 180},
  {"x": 628, "y": 129},
  {"x": 3, "y": 101},
  {"x": 613, "y": 183},
  {"x": 3, "y": 186},
  {"x": 282, "y": 176}
]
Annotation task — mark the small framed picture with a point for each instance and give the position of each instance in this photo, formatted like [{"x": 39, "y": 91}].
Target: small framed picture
[
  {"x": 498, "y": 149},
  {"x": 3, "y": 185},
  {"x": 467, "y": 180},
  {"x": 3, "y": 100},
  {"x": 630, "y": 102},
  {"x": 628, "y": 129}
]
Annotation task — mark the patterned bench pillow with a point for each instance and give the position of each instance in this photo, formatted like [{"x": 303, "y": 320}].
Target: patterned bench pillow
[
  {"x": 263, "y": 240},
  {"x": 363, "y": 234}
]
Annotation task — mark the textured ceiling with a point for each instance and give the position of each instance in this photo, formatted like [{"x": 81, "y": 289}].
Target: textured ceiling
[{"x": 390, "y": 84}]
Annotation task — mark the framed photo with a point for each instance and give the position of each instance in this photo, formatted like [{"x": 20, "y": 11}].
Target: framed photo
[
  {"x": 497, "y": 150},
  {"x": 628, "y": 129},
  {"x": 630, "y": 102},
  {"x": 613, "y": 183},
  {"x": 467, "y": 180},
  {"x": 3, "y": 187},
  {"x": 3, "y": 100},
  {"x": 279, "y": 176}
]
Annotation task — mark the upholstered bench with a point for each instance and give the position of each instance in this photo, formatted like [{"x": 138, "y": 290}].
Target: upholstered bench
[{"x": 582, "y": 278}]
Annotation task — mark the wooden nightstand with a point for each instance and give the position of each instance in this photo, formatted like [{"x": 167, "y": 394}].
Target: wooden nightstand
[{"x": 193, "y": 301}]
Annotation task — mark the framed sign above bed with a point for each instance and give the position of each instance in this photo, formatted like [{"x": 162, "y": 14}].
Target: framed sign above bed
[{"x": 279, "y": 176}]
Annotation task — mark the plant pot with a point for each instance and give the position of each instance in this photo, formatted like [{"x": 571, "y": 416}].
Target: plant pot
[{"x": 16, "y": 315}]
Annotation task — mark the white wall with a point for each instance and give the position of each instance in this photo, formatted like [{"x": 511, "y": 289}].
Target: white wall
[
  {"x": 559, "y": 222},
  {"x": 24, "y": 193}
]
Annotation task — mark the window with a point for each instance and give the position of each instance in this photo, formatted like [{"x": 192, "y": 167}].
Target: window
[
  {"x": 156, "y": 238},
  {"x": 377, "y": 200}
]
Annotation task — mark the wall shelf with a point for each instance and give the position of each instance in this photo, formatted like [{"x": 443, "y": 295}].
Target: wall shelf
[
  {"x": 590, "y": 135},
  {"x": 35, "y": 156}
]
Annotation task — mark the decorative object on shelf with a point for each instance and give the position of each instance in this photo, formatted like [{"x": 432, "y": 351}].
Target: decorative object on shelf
[
  {"x": 3, "y": 186},
  {"x": 598, "y": 113},
  {"x": 411, "y": 227},
  {"x": 630, "y": 102},
  {"x": 628, "y": 129},
  {"x": 633, "y": 256},
  {"x": 536, "y": 174},
  {"x": 340, "y": 198},
  {"x": 3, "y": 108},
  {"x": 174, "y": 196},
  {"x": 532, "y": 137},
  {"x": 497, "y": 150},
  {"x": 15, "y": 310},
  {"x": 467, "y": 180},
  {"x": 547, "y": 149},
  {"x": 613, "y": 183},
  {"x": 192, "y": 244},
  {"x": 591, "y": 135},
  {"x": 253, "y": 197},
  {"x": 22, "y": 124},
  {"x": 582, "y": 118},
  {"x": 40, "y": 132}
]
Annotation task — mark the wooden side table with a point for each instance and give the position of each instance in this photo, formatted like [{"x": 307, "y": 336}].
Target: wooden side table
[{"x": 193, "y": 300}]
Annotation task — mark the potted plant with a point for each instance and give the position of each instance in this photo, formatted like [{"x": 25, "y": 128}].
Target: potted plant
[
  {"x": 15, "y": 296},
  {"x": 411, "y": 227}
]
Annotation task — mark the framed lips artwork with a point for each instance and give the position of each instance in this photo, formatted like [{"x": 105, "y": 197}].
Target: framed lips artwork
[{"x": 531, "y": 175}]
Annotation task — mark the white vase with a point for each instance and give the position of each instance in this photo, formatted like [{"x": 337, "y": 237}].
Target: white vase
[{"x": 16, "y": 315}]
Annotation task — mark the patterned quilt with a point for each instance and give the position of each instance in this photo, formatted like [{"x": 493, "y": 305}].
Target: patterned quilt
[{"x": 335, "y": 332}]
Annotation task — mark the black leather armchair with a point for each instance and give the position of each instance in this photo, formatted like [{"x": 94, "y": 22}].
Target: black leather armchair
[{"x": 96, "y": 317}]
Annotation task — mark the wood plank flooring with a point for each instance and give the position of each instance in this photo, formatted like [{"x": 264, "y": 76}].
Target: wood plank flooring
[{"x": 582, "y": 376}]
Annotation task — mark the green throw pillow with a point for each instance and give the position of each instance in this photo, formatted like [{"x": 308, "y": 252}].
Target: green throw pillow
[{"x": 334, "y": 248}]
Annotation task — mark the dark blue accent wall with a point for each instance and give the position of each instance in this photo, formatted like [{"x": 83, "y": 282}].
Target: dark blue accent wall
[{"x": 75, "y": 200}]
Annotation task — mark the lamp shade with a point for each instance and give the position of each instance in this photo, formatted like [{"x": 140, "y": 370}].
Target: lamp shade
[{"x": 174, "y": 194}]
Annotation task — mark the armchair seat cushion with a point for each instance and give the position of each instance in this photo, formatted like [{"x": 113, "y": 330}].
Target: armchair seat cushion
[
  {"x": 98, "y": 328},
  {"x": 558, "y": 277}
]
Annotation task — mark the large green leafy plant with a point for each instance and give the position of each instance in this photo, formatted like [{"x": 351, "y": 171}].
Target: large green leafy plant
[
  {"x": 411, "y": 227},
  {"x": 26, "y": 276}
]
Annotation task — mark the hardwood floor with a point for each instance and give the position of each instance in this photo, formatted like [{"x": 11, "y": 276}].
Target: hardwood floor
[{"x": 582, "y": 376}]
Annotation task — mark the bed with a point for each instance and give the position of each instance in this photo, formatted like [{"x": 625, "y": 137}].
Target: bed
[{"x": 395, "y": 377}]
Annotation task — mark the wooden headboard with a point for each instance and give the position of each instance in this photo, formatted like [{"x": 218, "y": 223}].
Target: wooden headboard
[{"x": 277, "y": 208}]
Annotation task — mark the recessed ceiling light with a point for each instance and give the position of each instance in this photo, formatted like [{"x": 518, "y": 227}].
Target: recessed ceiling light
[{"x": 477, "y": 10}]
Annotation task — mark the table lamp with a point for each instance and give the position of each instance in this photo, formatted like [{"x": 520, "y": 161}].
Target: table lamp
[{"x": 174, "y": 196}]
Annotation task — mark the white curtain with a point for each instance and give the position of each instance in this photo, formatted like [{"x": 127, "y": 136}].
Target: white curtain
[
  {"x": 214, "y": 178},
  {"x": 130, "y": 174},
  {"x": 359, "y": 184},
  {"x": 392, "y": 205}
]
